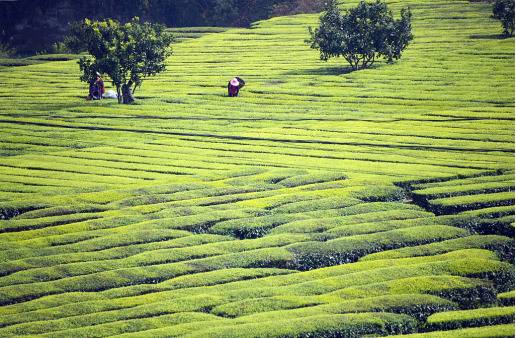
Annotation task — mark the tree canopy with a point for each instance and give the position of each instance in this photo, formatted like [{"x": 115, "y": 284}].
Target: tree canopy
[
  {"x": 503, "y": 10},
  {"x": 128, "y": 52},
  {"x": 362, "y": 34}
]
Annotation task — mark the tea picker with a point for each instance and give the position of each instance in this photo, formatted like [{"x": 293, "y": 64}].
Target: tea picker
[{"x": 234, "y": 86}]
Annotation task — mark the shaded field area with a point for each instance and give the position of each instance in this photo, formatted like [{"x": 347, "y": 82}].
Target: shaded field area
[{"x": 320, "y": 203}]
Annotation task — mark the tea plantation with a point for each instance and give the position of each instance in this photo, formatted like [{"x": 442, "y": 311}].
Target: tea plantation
[{"x": 319, "y": 203}]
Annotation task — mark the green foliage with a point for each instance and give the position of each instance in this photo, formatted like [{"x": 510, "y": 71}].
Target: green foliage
[
  {"x": 5, "y": 51},
  {"x": 346, "y": 325},
  {"x": 416, "y": 305},
  {"x": 503, "y": 10},
  {"x": 495, "y": 331},
  {"x": 128, "y": 52},
  {"x": 54, "y": 57},
  {"x": 312, "y": 255},
  {"x": 451, "y": 205},
  {"x": 447, "y": 191},
  {"x": 469, "y": 318},
  {"x": 252, "y": 227},
  {"x": 362, "y": 34},
  {"x": 122, "y": 218},
  {"x": 458, "y": 291},
  {"x": 355, "y": 279},
  {"x": 503, "y": 245},
  {"x": 506, "y": 298}
]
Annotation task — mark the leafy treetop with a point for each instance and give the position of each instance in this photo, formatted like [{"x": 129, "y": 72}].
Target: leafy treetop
[
  {"x": 362, "y": 34},
  {"x": 503, "y": 10},
  {"x": 128, "y": 52}
]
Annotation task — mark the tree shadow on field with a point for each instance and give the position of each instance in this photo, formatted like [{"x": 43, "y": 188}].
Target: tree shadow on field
[
  {"x": 333, "y": 70},
  {"x": 487, "y": 36}
]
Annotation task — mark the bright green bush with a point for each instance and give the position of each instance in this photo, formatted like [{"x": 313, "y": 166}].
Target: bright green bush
[
  {"x": 506, "y": 298},
  {"x": 305, "y": 179},
  {"x": 252, "y": 227},
  {"x": 415, "y": 305},
  {"x": 316, "y": 326},
  {"x": 466, "y": 292},
  {"x": 132, "y": 326},
  {"x": 356, "y": 214},
  {"x": 378, "y": 226},
  {"x": 456, "y": 204},
  {"x": 478, "y": 188},
  {"x": 15, "y": 225},
  {"x": 312, "y": 255},
  {"x": 504, "y": 246},
  {"x": 314, "y": 282},
  {"x": 469, "y": 318},
  {"x": 495, "y": 331},
  {"x": 317, "y": 204},
  {"x": 381, "y": 193},
  {"x": 85, "y": 321}
]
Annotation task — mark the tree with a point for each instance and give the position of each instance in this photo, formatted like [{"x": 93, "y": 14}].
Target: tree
[
  {"x": 503, "y": 10},
  {"x": 128, "y": 52},
  {"x": 362, "y": 35}
]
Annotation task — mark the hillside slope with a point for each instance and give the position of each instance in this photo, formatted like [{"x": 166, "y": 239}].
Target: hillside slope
[{"x": 321, "y": 202}]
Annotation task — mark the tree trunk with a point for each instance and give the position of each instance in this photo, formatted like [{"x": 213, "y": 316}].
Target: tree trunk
[
  {"x": 118, "y": 94},
  {"x": 127, "y": 94}
]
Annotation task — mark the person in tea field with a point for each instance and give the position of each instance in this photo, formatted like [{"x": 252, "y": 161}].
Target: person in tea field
[
  {"x": 234, "y": 86},
  {"x": 96, "y": 88}
]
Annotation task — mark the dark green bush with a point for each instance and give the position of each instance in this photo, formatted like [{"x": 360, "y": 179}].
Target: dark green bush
[
  {"x": 479, "y": 295},
  {"x": 483, "y": 225}
]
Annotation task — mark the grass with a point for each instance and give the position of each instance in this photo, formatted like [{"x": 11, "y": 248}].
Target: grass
[{"x": 319, "y": 203}]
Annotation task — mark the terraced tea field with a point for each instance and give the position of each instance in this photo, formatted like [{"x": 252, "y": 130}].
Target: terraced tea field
[{"x": 319, "y": 203}]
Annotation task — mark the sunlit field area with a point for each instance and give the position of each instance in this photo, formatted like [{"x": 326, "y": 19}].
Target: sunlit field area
[{"x": 321, "y": 202}]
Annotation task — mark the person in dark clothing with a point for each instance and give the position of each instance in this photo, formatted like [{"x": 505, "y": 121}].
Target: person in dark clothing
[
  {"x": 234, "y": 86},
  {"x": 96, "y": 88},
  {"x": 100, "y": 85}
]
